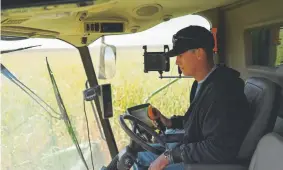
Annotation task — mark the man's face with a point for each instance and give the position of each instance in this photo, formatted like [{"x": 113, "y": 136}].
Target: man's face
[{"x": 188, "y": 61}]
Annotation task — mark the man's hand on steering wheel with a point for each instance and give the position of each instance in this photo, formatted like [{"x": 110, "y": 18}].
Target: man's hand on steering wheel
[{"x": 158, "y": 115}]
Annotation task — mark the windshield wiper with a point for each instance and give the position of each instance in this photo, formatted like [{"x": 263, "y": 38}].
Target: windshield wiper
[
  {"x": 64, "y": 114},
  {"x": 11, "y": 38},
  {"x": 29, "y": 92},
  {"x": 19, "y": 49}
]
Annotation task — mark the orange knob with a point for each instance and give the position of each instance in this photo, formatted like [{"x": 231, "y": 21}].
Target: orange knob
[{"x": 150, "y": 113}]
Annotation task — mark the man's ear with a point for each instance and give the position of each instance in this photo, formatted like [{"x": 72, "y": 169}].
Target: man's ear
[{"x": 200, "y": 54}]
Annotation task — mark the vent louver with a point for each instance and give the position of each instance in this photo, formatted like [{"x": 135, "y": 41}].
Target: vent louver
[{"x": 92, "y": 27}]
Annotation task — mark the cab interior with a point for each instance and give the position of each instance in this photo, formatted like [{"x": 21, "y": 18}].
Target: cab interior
[{"x": 249, "y": 39}]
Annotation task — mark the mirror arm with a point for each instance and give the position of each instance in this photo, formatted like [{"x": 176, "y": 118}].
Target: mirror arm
[{"x": 102, "y": 39}]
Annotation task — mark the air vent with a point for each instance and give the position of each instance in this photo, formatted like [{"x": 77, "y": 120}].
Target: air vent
[
  {"x": 92, "y": 27},
  {"x": 13, "y": 21},
  {"x": 28, "y": 31}
]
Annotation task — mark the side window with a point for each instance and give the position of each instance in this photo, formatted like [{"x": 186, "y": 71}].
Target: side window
[{"x": 267, "y": 46}]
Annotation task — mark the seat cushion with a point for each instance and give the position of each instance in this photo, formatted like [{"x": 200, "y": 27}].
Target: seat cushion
[{"x": 269, "y": 153}]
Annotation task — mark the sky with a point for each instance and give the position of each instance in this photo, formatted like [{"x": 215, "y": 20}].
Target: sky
[{"x": 157, "y": 35}]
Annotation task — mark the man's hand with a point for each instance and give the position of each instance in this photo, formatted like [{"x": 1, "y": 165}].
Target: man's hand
[
  {"x": 160, "y": 163},
  {"x": 153, "y": 113},
  {"x": 158, "y": 115}
]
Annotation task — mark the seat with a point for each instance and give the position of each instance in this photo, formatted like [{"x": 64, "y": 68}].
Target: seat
[
  {"x": 263, "y": 96},
  {"x": 278, "y": 127},
  {"x": 267, "y": 156},
  {"x": 269, "y": 153}
]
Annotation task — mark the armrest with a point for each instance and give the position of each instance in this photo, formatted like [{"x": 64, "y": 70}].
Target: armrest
[{"x": 214, "y": 167}]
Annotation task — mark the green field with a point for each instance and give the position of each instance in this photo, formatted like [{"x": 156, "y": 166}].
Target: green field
[{"x": 28, "y": 131}]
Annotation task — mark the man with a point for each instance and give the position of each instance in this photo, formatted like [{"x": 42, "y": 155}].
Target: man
[{"x": 217, "y": 119}]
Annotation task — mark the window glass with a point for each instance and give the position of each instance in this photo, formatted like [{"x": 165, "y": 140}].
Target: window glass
[
  {"x": 32, "y": 138},
  {"x": 267, "y": 46}
]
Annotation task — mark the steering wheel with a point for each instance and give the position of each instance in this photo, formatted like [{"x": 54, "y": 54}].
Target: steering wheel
[{"x": 137, "y": 138}]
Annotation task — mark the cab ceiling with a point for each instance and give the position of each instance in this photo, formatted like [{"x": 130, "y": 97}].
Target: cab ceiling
[{"x": 68, "y": 21}]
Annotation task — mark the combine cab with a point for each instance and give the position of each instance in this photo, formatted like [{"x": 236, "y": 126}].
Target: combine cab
[{"x": 248, "y": 36}]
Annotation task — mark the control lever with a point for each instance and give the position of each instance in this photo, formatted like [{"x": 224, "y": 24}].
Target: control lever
[{"x": 152, "y": 115}]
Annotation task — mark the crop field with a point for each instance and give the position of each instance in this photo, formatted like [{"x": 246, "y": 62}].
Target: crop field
[{"x": 28, "y": 133}]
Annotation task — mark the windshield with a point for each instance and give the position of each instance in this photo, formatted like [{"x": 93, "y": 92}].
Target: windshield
[{"x": 31, "y": 138}]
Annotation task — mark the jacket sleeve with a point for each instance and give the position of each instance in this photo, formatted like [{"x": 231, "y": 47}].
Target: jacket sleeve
[
  {"x": 222, "y": 129},
  {"x": 177, "y": 122}
]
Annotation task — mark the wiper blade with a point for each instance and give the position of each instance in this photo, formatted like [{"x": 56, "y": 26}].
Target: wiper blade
[
  {"x": 12, "y": 38},
  {"x": 65, "y": 115},
  {"x": 29, "y": 92},
  {"x": 19, "y": 49}
]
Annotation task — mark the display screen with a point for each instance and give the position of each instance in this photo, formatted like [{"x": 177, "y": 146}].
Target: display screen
[
  {"x": 141, "y": 112},
  {"x": 156, "y": 61},
  {"x": 112, "y": 27},
  {"x": 106, "y": 101}
]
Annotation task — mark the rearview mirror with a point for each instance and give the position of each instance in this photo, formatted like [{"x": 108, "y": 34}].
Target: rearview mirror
[{"x": 107, "y": 61}]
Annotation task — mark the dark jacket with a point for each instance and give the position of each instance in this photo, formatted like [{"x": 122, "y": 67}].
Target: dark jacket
[{"x": 216, "y": 121}]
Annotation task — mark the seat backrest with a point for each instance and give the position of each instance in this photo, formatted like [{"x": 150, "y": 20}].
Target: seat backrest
[
  {"x": 269, "y": 153},
  {"x": 262, "y": 95},
  {"x": 278, "y": 127}
]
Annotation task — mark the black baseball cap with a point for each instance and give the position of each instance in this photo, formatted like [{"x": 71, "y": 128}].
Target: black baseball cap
[{"x": 191, "y": 37}]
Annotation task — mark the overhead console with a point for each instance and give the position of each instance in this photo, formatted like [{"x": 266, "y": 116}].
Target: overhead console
[{"x": 104, "y": 27}]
